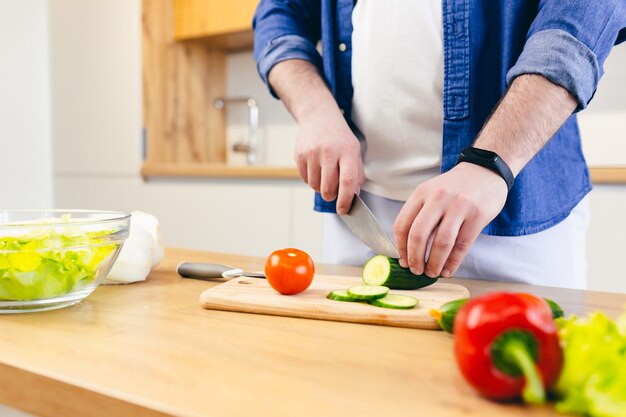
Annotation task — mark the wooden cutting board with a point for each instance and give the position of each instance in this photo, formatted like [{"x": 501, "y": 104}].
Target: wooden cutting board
[{"x": 254, "y": 295}]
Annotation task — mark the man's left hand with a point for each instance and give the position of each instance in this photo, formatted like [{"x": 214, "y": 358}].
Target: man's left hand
[{"x": 446, "y": 214}]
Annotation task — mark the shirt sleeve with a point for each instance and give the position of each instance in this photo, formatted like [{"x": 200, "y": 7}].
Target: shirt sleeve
[
  {"x": 569, "y": 41},
  {"x": 285, "y": 29}
]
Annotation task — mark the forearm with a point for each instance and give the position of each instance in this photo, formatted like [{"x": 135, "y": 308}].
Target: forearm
[
  {"x": 303, "y": 91},
  {"x": 530, "y": 113}
]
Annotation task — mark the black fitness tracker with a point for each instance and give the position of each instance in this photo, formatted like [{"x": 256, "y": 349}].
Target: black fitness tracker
[{"x": 489, "y": 160}]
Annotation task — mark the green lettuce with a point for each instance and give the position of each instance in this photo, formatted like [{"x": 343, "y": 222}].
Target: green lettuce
[
  {"x": 49, "y": 264},
  {"x": 593, "y": 380}
]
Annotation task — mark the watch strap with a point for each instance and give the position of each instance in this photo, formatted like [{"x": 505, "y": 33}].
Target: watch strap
[{"x": 489, "y": 160}]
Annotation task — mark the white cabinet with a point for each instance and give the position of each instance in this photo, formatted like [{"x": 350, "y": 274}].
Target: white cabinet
[
  {"x": 606, "y": 238},
  {"x": 244, "y": 217},
  {"x": 96, "y": 86}
]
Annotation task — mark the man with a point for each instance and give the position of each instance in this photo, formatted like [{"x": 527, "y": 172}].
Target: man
[{"x": 481, "y": 91}]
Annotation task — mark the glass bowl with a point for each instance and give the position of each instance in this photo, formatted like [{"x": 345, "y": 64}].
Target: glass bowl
[{"x": 55, "y": 258}]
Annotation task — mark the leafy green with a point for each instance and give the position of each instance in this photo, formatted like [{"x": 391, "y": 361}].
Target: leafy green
[
  {"x": 48, "y": 264},
  {"x": 593, "y": 380}
]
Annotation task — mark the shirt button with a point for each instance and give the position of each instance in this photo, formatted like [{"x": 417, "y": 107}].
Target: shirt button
[
  {"x": 342, "y": 111},
  {"x": 343, "y": 47}
]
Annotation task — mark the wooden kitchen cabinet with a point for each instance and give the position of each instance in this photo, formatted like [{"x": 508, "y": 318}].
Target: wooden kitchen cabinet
[
  {"x": 185, "y": 44},
  {"x": 223, "y": 23},
  {"x": 181, "y": 81}
]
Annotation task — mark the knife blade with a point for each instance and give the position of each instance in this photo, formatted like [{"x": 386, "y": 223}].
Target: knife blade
[
  {"x": 366, "y": 227},
  {"x": 209, "y": 271}
]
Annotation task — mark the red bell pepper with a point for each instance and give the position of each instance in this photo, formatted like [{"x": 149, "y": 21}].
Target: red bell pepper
[{"x": 507, "y": 344}]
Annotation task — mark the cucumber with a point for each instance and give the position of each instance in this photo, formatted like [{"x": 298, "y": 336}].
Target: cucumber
[
  {"x": 446, "y": 313},
  {"x": 383, "y": 270},
  {"x": 396, "y": 301},
  {"x": 340, "y": 295},
  {"x": 367, "y": 292},
  {"x": 557, "y": 311}
]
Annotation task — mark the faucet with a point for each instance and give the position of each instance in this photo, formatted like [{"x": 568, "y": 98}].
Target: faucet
[{"x": 250, "y": 146}]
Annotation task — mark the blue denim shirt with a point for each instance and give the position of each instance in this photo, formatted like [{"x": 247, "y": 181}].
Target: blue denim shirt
[{"x": 487, "y": 43}]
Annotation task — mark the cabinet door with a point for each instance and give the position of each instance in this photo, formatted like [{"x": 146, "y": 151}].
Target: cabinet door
[
  {"x": 207, "y": 18},
  {"x": 96, "y": 84}
]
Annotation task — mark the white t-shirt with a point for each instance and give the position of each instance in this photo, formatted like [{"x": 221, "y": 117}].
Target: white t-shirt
[{"x": 397, "y": 75}]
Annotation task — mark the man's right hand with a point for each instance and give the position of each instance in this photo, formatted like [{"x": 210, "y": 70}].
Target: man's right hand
[{"x": 328, "y": 154}]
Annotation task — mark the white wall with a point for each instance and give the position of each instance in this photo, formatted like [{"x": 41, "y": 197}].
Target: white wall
[
  {"x": 25, "y": 156},
  {"x": 25, "y": 163},
  {"x": 277, "y": 131},
  {"x": 96, "y": 82},
  {"x": 603, "y": 123}
]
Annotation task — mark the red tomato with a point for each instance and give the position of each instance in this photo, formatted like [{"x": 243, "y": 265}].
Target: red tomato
[{"x": 289, "y": 271}]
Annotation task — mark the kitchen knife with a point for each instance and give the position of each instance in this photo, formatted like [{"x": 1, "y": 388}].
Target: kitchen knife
[
  {"x": 366, "y": 227},
  {"x": 209, "y": 271}
]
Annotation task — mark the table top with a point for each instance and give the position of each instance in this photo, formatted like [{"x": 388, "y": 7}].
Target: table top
[{"x": 148, "y": 349}]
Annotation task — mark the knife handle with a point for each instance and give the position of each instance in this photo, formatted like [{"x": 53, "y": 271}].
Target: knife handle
[{"x": 202, "y": 270}]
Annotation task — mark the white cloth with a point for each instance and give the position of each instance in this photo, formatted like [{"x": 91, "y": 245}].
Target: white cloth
[
  {"x": 555, "y": 257},
  {"x": 397, "y": 75},
  {"x": 142, "y": 250}
]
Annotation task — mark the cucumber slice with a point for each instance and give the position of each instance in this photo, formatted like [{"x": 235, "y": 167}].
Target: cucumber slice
[
  {"x": 383, "y": 270},
  {"x": 340, "y": 295},
  {"x": 367, "y": 292},
  {"x": 397, "y": 301}
]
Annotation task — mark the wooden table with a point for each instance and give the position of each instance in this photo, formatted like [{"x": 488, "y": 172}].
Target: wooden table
[{"x": 148, "y": 349}]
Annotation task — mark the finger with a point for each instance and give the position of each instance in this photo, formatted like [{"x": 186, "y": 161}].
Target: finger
[
  {"x": 313, "y": 174},
  {"x": 348, "y": 183},
  {"x": 329, "y": 181},
  {"x": 361, "y": 174},
  {"x": 421, "y": 231},
  {"x": 468, "y": 233},
  {"x": 443, "y": 242},
  {"x": 402, "y": 225},
  {"x": 302, "y": 169}
]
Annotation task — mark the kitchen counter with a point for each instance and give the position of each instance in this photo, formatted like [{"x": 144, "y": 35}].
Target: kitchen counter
[
  {"x": 151, "y": 170},
  {"x": 148, "y": 349}
]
